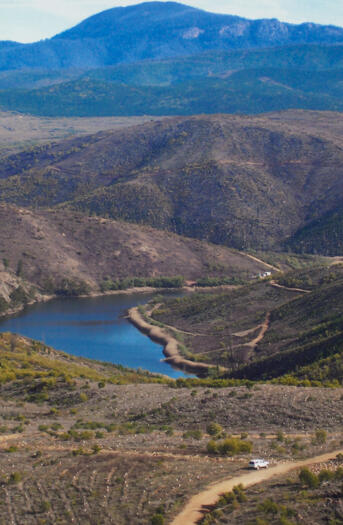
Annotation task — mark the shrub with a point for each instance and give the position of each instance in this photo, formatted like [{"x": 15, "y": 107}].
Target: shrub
[
  {"x": 308, "y": 478},
  {"x": 325, "y": 475},
  {"x": 15, "y": 477},
  {"x": 45, "y": 506},
  {"x": 12, "y": 448},
  {"x": 268, "y": 506},
  {"x": 212, "y": 447},
  {"x": 195, "y": 434},
  {"x": 320, "y": 437},
  {"x": 96, "y": 448},
  {"x": 232, "y": 446},
  {"x": 157, "y": 519},
  {"x": 280, "y": 436},
  {"x": 213, "y": 429}
]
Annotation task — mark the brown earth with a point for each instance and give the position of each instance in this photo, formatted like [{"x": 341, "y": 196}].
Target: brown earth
[{"x": 193, "y": 510}]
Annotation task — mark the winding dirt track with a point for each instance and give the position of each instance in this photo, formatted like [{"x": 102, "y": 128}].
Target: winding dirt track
[{"x": 193, "y": 510}]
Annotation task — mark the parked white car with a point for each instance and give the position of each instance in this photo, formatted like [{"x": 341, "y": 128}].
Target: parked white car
[{"x": 258, "y": 463}]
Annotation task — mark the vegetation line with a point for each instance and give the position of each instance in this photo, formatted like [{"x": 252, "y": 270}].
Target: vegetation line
[
  {"x": 170, "y": 345},
  {"x": 193, "y": 512}
]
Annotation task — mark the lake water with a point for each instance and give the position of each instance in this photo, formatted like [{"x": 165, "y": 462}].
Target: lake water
[{"x": 94, "y": 328}]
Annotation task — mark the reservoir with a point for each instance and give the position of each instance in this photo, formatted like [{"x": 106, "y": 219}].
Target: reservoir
[{"x": 94, "y": 328}]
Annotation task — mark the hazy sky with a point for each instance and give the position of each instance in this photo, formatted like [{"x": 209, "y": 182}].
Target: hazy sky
[{"x": 31, "y": 20}]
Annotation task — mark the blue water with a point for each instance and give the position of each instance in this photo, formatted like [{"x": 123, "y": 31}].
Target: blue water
[{"x": 94, "y": 328}]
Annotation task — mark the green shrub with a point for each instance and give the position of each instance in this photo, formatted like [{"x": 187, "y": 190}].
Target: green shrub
[
  {"x": 232, "y": 446},
  {"x": 212, "y": 447},
  {"x": 83, "y": 397},
  {"x": 325, "y": 475},
  {"x": 157, "y": 519},
  {"x": 15, "y": 477},
  {"x": 308, "y": 478},
  {"x": 320, "y": 437},
  {"x": 213, "y": 429},
  {"x": 280, "y": 436},
  {"x": 268, "y": 506},
  {"x": 45, "y": 506},
  {"x": 11, "y": 449},
  {"x": 195, "y": 434}
]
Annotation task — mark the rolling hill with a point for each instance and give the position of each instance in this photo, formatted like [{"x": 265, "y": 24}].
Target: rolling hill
[{"x": 238, "y": 181}]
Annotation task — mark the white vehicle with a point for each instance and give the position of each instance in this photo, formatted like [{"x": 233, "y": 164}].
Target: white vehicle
[{"x": 258, "y": 463}]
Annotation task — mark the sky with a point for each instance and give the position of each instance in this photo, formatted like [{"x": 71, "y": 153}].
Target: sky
[{"x": 33, "y": 20}]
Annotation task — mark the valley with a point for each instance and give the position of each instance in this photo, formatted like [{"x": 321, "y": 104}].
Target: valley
[{"x": 171, "y": 271}]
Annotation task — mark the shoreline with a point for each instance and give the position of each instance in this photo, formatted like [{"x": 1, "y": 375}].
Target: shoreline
[
  {"x": 43, "y": 298},
  {"x": 155, "y": 333},
  {"x": 170, "y": 345}
]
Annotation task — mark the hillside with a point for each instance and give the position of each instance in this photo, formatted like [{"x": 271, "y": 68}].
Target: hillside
[
  {"x": 238, "y": 181},
  {"x": 156, "y": 30},
  {"x": 247, "y": 91},
  {"x": 82, "y": 439},
  {"x": 268, "y": 329},
  {"x": 66, "y": 253}
]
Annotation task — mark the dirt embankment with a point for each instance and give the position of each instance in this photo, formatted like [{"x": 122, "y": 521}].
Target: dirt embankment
[
  {"x": 170, "y": 345},
  {"x": 193, "y": 510}
]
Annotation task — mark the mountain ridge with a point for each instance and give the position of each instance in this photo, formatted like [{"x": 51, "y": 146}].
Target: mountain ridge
[{"x": 157, "y": 30}]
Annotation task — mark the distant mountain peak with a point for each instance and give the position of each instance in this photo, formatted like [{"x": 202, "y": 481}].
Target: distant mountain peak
[{"x": 157, "y": 31}]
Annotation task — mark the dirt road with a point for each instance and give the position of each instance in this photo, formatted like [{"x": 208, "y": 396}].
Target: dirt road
[
  {"x": 270, "y": 266},
  {"x": 192, "y": 512},
  {"x": 277, "y": 285}
]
